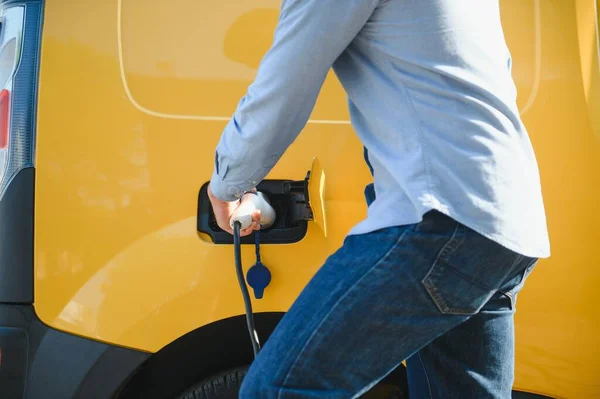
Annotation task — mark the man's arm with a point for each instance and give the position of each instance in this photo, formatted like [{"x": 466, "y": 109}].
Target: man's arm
[{"x": 310, "y": 36}]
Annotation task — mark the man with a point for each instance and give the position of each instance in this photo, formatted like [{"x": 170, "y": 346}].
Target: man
[{"x": 456, "y": 218}]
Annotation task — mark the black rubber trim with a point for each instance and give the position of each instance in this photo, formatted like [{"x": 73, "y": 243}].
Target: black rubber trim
[
  {"x": 16, "y": 243},
  {"x": 201, "y": 353},
  {"x": 23, "y": 104},
  {"x": 61, "y": 365},
  {"x": 17, "y": 195},
  {"x": 14, "y": 343}
]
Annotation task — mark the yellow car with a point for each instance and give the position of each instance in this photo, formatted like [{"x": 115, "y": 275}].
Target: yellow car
[{"x": 115, "y": 282}]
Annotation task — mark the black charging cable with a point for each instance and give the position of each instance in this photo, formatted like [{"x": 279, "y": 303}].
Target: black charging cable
[{"x": 237, "y": 247}]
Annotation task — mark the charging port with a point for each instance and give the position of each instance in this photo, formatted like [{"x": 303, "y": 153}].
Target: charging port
[{"x": 291, "y": 203}]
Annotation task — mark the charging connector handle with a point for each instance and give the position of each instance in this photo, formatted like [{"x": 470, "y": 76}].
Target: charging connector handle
[
  {"x": 250, "y": 202},
  {"x": 237, "y": 246}
]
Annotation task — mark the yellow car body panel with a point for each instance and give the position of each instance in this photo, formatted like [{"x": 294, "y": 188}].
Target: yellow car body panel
[{"x": 133, "y": 97}]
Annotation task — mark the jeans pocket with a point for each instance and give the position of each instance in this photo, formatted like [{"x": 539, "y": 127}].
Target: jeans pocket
[
  {"x": 454, "y": 293},
  {"x": 452, "y": 290}
]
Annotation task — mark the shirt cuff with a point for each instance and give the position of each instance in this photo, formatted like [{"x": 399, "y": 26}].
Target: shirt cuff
[{"x": 222, "y": 190}]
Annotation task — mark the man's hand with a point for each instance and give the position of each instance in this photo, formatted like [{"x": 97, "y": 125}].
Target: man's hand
[{"x": 223, "y": 211}]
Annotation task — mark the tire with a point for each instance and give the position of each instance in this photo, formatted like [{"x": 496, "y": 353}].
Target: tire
[{"x": 225, "y": 385}]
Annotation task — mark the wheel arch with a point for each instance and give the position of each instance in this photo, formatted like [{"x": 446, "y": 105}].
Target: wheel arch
[{"x": 196, "y": 355}]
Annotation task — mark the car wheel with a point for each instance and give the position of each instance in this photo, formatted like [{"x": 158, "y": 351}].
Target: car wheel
[{"x": 226, "y": 385}]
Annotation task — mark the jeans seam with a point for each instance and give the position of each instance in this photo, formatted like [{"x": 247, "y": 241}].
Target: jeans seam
[
  {"x": 440, "y": 303},
  {"x": 434, "y": 293},
  {"x": 314, "y": 333},
  {"x": 470, "y": 279},
  {"x": 426, "y": 376}
]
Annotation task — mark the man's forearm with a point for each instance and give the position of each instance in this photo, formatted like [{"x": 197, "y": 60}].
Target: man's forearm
[{"x": 311, "y": 34}]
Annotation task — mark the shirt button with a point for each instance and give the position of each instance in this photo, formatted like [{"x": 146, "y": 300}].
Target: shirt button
[{"x": 253, "y": 182}]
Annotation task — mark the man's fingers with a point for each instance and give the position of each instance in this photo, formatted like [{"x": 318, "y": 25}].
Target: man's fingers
[
  {"x": 223, "y": 211},
  {"x": 256, "y": 215},
  {"x": 247, "y": 231},
  {"x": 254, "y": 226}
]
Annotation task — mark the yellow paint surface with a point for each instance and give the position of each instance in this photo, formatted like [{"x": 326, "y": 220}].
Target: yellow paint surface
[{"x": 133, "y": 97}]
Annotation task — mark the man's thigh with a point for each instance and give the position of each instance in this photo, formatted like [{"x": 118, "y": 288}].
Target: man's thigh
[
  {"x": 476, "y": 358},
  {"x": 376, "y": 301}
]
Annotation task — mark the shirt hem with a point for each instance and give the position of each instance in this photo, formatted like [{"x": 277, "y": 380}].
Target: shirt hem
[{"x": 368, "y": 226}]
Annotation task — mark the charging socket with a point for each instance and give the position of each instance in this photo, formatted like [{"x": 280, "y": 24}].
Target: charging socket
[{"x": 290, "y": 200}]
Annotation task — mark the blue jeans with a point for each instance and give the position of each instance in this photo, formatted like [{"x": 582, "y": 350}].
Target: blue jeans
[{"x": 436, "y": 293}]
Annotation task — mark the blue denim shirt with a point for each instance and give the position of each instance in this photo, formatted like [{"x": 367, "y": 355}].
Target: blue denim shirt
[{"x": 431, "y": 97}]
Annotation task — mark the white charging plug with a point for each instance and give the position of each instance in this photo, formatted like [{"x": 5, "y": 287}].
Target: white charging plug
[{"x": 251, "y": 202}]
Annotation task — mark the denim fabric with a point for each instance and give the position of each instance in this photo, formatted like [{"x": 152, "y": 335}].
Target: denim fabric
[{"x": 436, "y": 293}]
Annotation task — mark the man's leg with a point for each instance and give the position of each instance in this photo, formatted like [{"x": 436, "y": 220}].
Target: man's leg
[
  {"x": 474, "y": 359},
  {"x": 376, "y": 301}
]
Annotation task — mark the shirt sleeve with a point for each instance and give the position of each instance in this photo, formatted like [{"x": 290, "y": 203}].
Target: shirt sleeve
[{"x": 310, "y": 36}]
